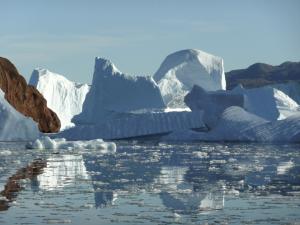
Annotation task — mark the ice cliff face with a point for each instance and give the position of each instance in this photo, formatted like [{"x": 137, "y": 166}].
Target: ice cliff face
[
  {"x": 181, "y": 70},
  {"x": 13, "y": 125},
  {"x": 113, "y": 92},
  {"x": 64, "y": 97}
]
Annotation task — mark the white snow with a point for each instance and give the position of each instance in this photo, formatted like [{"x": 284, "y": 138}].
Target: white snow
[
  {"x": 46, "y": 142},
  {"x": 63, "y": 96},
  {"x": 181, "y": 70},
  {"x": 135, "y": 125},
  {"x": 113, "y": 92},
  {"x": 14, "y": 126}
]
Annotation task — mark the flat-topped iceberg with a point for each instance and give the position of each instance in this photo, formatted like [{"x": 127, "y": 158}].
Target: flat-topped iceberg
[
  {"x": 63, "y": 96},
  {"x": 181, "y": 70},
  {"x": 14, "y": 126}
]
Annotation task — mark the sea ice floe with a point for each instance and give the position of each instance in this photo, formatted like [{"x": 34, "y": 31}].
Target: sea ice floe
[{"x": 61, "y": 143}]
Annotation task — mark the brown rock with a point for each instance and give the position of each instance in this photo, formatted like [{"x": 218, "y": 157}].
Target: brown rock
[{"x": 26, "y": 99}]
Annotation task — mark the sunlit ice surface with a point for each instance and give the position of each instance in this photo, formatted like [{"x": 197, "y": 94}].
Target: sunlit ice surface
[{"x": 151, "y": 183}]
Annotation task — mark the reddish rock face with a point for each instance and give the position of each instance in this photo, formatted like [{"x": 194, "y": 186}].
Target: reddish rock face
[{"x": 26, "y": 99}]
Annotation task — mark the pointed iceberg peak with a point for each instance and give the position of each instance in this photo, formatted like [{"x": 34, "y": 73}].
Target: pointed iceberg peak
[{"x": 105, "y": 67}]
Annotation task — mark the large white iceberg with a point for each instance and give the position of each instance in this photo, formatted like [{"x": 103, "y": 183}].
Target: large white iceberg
[
  {"x": 113, "y": 92},
  {"x": 14, "y": 126},
  {"x": 63, "y": 96},
  {"x": 181, "y": 70}
]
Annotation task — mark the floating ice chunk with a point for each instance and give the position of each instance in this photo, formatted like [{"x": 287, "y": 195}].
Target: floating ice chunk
[
  {"x": 284, "y": 167},
  {"x": 61, "y": 143}
]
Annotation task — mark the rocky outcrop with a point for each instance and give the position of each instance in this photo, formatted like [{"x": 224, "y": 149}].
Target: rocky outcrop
[
  {"x": 261, "y": 74},
  {"x": 26, "y": 99}
]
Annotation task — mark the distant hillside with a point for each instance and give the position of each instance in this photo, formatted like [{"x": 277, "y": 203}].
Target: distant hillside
[{"x": 260, "y": 74}]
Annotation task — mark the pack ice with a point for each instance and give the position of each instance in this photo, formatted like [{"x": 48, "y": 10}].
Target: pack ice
[
  {"x": 63, "y": 96},
  {"x": 14, "y": 126},
  {"x": 181, "y": 70}
]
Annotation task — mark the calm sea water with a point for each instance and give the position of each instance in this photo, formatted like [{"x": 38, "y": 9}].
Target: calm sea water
[{"x": 152, "y": 183}]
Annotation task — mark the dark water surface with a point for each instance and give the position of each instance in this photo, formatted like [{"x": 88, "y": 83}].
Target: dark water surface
[{"x": 150, "y": 183}]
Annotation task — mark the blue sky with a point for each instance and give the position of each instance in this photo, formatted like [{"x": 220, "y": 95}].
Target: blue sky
[{"x": 65, "y": 36}]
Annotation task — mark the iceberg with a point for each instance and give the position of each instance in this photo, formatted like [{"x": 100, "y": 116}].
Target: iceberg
[
  {"x": 181, "y": 70},
  {"x": 236, "y": 124},
  {"x": 265, "y": 102},
  {"x": 113, "y": 92},
  {"x": 268, "y": 103},
  {"x": 14, "y": 126},
  {"x": 63, "y": 96}
]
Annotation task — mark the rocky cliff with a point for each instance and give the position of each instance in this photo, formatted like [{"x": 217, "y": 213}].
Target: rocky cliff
[{"x": 26, "y": 99}]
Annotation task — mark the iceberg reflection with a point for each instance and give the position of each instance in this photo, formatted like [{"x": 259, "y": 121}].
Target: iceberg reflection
[{"x": 61, "y": 171}]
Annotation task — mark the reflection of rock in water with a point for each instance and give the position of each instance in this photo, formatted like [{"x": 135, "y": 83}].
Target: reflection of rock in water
[
  {"x": 180, "y": 196},
  {"x": 61, "y": 171},
  {"x": 13, "y": 185}
]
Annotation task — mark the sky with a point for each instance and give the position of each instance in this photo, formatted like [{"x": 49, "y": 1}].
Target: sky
[{"x": 65, "y": 36}]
